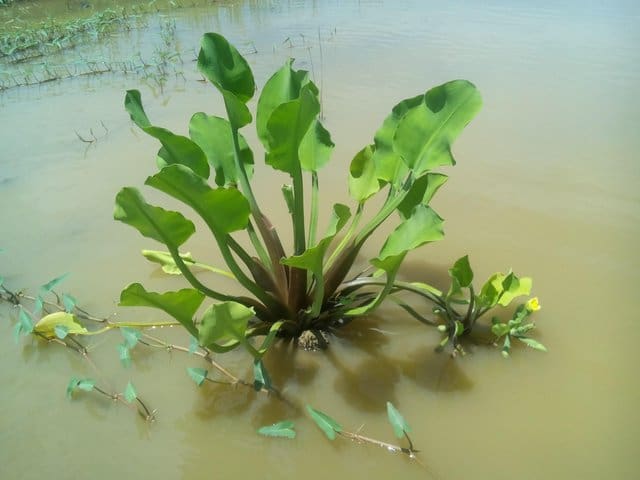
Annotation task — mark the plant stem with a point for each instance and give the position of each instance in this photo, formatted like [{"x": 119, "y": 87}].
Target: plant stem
[{"x": 313, "y": 220}]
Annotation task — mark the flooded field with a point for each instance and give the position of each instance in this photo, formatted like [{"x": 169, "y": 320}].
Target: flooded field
[{"x": 544, "y": 185}]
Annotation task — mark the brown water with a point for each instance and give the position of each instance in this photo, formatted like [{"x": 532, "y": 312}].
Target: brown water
[{"x": 545, "y": 185}]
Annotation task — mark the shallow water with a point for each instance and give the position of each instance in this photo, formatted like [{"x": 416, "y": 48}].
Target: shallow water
[{"x": 544, "y": 185}]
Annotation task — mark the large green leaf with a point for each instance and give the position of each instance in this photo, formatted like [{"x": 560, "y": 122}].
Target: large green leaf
[
  {"x": 424, "y": 134},
  {"x": 46, "y": 325},
  {"x": 222, "y": 65},
  {"x": 181, "y": 305},
  {"x": 225, "y": 210},
  {"x": 226, "y": 321},
  {"x": 423, "y": 226},
  {"x": 177, "y": 149},
  {"x": 213, "y": 136},
  {"x": 287, "y": 126},
  {"x": 167, "y": 227},
  {"x": 421, "y": 192},
  {"x": 327, "y": 424},
  {"x": 315, "y": 148},
  {"x": 283, "y": 86},
  {"x": 501, "y": 289},
  {"x": 397, "y": 421},
  {"x": 281, "y": 429},
  {"x": 389, "y": 166},
  {"x": 363, "y": 177}
]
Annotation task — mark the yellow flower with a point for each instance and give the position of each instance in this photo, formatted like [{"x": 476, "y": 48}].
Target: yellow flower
[{"x": 533, "y": 305}]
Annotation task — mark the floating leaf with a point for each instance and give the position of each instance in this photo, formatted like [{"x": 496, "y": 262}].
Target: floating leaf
[
  {"x": 198, "y": 375},
  {"x": 85, "y": 384},
  {"x": 327, "y": 424},
  {"x": 261, "y": 377},
  {"x": 131, "y": 336},
  {"x": 46, "y": 326},
  {"x": 397, "y": 421},
  {"x": 49, "y": 286},
  {"x": 125, "y": 354},
  {"x": 530, "y": 342},
  {"x": 282, "y": 429},
  {"x": 69, "y": 302},
  {"x": 130, "y": 393}
]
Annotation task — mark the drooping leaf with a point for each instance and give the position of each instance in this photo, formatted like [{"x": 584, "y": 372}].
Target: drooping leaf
[
  {"x": 198, "y": 375},
  {"x": 282, "y": 429},
  {"x": 423, "y": 226},
  {"x": 261, "y": 377},
  {"x": 363, "y": 178},
  {"x": 69, "y": 302},
  {"x": 530, "y": 342},
  {"x": 49, "y": 286},
  {"x": 164, "y": 226},
  {"x": 213, "y": 135},
  {"x": 168, "y": 264},
  {"x": 124, "y": 354},
  {"x": 181, "y": 305},
  {"x": 130, "y": 393},
  {"x": 327, "y": 424},
  {"x": 225, "y": 210},
  {"x": 25, "y": 321},
  {"x": 462, "y": 272},
  {"x": 131, "y": 336},
  {"x": 421, "y": 192},
  {"x": 397, "y": 421},
  {"x": 270, "y": 337},
  {"x": 237, "y": 111},
  {"x": 176, "y": 149},
  {"x": 425, "y": 133},
  {"x": 222, "y": 65},
  {"x": 225, "y": 321},
  {"x": 46, "y": 326}
]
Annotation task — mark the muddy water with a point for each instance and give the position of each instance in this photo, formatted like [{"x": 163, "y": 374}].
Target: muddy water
[{"x": 544, "y": 185}]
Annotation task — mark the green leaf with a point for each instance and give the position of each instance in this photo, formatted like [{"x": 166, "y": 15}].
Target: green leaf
[
  {"x": 363, "y": 177},
  {"x": 131, "y": 336},
  {"x": 425, "y": 133},
  {"x": 462, "y": 272},
  {"x": 85, "y": 384},
  {"x": 389, "y": 166},
  {"x": 261, "y": 377},
  {"x": 125, "y": 354},
  {"x": 421, "y": 192},
  {"x": 46, "y": 326},
  {"x": 516, "y": 289},
  {"x": 167, "y": 227},
  {"x": 500, "y": 329},
  {"x": 226, "y": 321},
  {"x": 238, "y": 113},
  {"x": 530, "y": 342},
  {"x": 459, "y": 328},
  {"x": 423, "y": 226},
  {"x": 225, "y": 210},
  {"x": 269, "y": 338},
  {"x": 283, "y": 86},
  {"x": 397, "y": 421},
  {"x": 281, "y": 429},
  {"x": 130, "y": 393},
  {"x": 181, "y": 305},
  {"x": 502, "y": 289},
  {"x": 25, "y": 321},
  {"x": 176, "y": 149},
  {"x": 198, "y": 375},
  {"x": 69, "y": 302},
  {"x": 315, "y": 148},
  {"x": 193, "y": 344},
  {"x": 168, "y": 264},
  {"x": 213, "y": 135},
  {"x": 222, "y": 65},
  {"x": 39, "y": 304},
  {"x": 49, "y": 286},
  {"x": 61, "y": 331},
  {"x": 327, "y": 424}
]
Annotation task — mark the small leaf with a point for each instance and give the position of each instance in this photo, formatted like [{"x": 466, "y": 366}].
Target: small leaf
[
  {"x": 193, "y": 344},
  {"x": 459, "y": 328},
  {"x": 261, "y": 377},
  {"x": 85, "y": 384},
  {"x": 131, "y": 336},
  {"x": 61, "y": 331},
  {"x": 130, "y": 393},
  {"x": 397, "y": 421},
  {"x": 39, "y": 304},
  {"x": 530, "y": 342},
  {"x": 25, "y": 321},
  {"x": 281, "y": 429},
  {"x": 198, "y": 375},
  {"x": 327, "y": 424},
  {"x": 49, "y": 286},
  {"x": 500, "y": 329},
  {"x": 125, "y": 355},
  {"x": 69, "y": 302},
  {"x": 462, "y": 272}
]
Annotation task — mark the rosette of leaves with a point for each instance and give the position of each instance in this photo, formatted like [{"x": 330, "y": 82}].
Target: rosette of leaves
[{"x": 210, "y": 171}]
